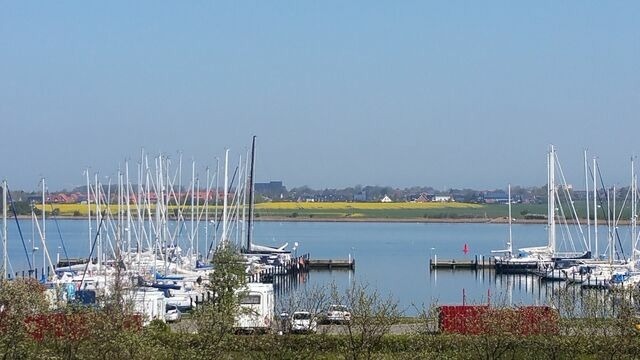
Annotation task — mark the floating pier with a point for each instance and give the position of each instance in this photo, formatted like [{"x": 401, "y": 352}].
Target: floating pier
[
  {"x": 462, "y": 264},
  {"x": 332, "y": 264}
]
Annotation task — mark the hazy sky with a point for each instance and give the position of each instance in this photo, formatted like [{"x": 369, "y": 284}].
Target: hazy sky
[{"x": 339, "y": 93}]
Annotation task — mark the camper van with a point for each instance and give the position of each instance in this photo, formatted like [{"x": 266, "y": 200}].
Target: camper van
[
  {"x": 150, "y": 304},
  {"x": 257, "y": 308}
]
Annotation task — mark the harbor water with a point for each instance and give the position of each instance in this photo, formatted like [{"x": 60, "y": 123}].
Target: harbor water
[{"x": 392, "y": 258}]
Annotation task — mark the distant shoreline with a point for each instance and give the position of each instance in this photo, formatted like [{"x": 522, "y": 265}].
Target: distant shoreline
[{"x": 499, "y": 220}]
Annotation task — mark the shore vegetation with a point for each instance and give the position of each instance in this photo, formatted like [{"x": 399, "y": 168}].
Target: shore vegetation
[{"x": 357, "y": 211}]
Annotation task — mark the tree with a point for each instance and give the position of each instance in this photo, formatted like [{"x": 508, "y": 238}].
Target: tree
[
  {"x": 371, "y": 318},
  {"x": 215, "y": 319},
  {"x": 20, "y": 300}
]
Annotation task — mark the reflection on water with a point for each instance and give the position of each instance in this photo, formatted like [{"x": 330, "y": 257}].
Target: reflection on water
[{"x": 390, "y": 257}]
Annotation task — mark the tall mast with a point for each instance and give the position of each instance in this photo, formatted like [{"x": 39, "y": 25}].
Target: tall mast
[
  {"x": 119, "y": 237},
  {"x": 243, "y": 206},
  {"x": 44, "y": 230},
  {"x": 206, "y": 214},
  {"x": 4, "y": 228},
  {"x": 609, "y": 222},
  {"x": 193, "y": 206},
  {"x": 199, "y": 212},
  {"x": 224, "y": 200},
  {"x": 251, "y": 180},
  {"x": 97, "y": 191},
  {"x": 89, "y": 208},
  {"x": 510, "y": 247},
  {"x": 215, "y": 215},
  {"x": 614, "y": 223},
  {"x": 595, "y": 209},
  {"x": 633, "y": 214},
  {"x": 551, "y": 202},
  {"x": 586, "y": 183},
  {"x": 162, "y": 208},
  {"x": 127, "y": 195}
]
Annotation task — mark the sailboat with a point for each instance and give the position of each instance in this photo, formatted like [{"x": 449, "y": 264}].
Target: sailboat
[
  {"x": 252, "y": 248},
  {"x": 510, "y": 264},
  {"x": 541, "y": 258}
]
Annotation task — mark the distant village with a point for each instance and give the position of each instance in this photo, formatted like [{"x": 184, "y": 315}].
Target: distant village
[{"x": 276, "y": 191}]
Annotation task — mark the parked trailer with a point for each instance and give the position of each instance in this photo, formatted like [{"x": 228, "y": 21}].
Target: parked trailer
[
  {"x": 149, "y": 304},
  {"x": 257, "y": 308},
  {"x": 483, "y": 319}
]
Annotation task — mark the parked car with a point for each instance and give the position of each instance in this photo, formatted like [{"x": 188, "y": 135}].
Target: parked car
[
  {"x": 172, "y": 313},
  {"x": 338, "y": 314},
  {"x": 303, "y": 322}
]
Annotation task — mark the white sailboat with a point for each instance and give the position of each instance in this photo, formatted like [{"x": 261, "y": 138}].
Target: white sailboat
[
  {"x": 542, "y": 258},
  {"x": 530, "y": 258},
  {"x": 508, "y": 263},
  {"x": 251, "y": 247}
]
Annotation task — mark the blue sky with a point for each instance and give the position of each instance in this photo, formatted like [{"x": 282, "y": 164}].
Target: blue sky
[{"x": 447, "y": 94}]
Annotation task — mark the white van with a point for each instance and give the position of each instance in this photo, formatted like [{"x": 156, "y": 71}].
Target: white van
[{"x": 257, "y": 308}]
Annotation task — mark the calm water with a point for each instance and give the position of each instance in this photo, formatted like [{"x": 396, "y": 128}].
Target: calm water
[{"x": 391, "y": 257}]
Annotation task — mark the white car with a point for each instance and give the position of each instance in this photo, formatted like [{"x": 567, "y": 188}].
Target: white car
[
  {"x": 172, "y": 313},
  {"x": 338, "y": 314},
  {"x": 303, "y": 322}
]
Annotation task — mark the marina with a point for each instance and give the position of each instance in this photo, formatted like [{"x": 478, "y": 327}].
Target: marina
[
  {"x": 319, "y": 180},
  {"x": 163, "y": 245},
  {"x": 403, "y": 249}
]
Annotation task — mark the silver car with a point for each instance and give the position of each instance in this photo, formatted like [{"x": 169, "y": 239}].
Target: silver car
[
  {"x": 172, "y": 313},
  {"x": 303, "y": 322},
  {"x": 338, "y": 314}
]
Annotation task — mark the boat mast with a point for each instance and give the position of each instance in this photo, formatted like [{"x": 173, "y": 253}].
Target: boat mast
[
  {"x": 206, "y": 213},
  {"x": 97, "y": 191},
  {"x": 510, "y": 245},
  {"x": 199, "y": 212},
  {"x": 89, "y": 207},
  {"x": 633, "y": 214},
  {"x": 586, "y": 183},
  {"x": 595, "y": 208},
  {"x": 224, "y": 200},
  {"x": 194, "y": 199},
  {"x": 44, "y": 229},
  {"x": 119, "y": 237},
  {"x": 4, "y": 228},
  {"x": 251, "y": 180},
  {"x": 217, "y": 201},
  {"x": 241, "y": 217},
  {"x": 551, "y": 200},
  {"x": 127, "y": 195},
  {"x": 612, "y": 225}
]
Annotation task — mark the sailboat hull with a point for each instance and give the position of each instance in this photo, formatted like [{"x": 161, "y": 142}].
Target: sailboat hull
[{"x": 515, "y": 266}]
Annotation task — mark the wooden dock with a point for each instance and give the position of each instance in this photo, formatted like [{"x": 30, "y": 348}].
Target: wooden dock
[
  {"x": 476, "y": 263},
  {"x": 332, "y": 264}
]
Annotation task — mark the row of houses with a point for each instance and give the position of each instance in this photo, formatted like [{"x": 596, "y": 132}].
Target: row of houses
[
  {"x": 486, "y": 197},
  {"x": 80, "y": 198}
]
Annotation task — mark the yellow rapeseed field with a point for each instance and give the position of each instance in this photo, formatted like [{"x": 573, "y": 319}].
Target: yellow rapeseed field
[
  {"x": 327, "y": 207},
  {"x": 81, "y": 209}
]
